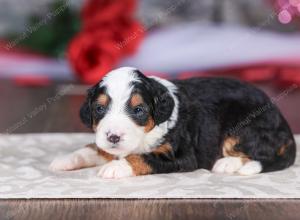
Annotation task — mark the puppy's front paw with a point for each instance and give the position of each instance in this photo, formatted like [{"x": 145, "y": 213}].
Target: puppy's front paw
[
  {"x": 116, "y": 169},
  {"x": 69, "y": 162}
]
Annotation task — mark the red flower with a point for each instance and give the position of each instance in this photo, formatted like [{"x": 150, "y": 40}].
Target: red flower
[
  {"x": 109, "y": 33},
  {"x": 129, "y": 36},
  {"x": 96, "y": 12},
  {"x": 94, "y": 53}
]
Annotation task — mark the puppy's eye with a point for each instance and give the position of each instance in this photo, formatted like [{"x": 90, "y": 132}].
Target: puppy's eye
[
  {"x": 138, "y": 111},
  {"x": 100, "y": 109}
]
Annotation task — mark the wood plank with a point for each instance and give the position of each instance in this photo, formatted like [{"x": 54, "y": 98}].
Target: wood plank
[{"x": 137, "y": 209}]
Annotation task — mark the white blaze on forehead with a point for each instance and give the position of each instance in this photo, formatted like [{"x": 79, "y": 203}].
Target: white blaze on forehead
[{"x": 119, "y": 85}]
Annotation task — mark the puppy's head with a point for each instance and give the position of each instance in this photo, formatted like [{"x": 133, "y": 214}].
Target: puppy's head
[{"x": 126, "y": 109}]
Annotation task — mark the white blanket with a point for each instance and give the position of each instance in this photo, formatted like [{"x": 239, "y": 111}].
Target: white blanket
[{"x": 24, "y": 161}]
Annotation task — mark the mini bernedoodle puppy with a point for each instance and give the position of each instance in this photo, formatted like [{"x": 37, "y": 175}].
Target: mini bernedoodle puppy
[{"x": 148, "y": 125}]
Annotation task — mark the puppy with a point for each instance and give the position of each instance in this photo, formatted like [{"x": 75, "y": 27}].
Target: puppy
[{"x": 148, "y": 125}]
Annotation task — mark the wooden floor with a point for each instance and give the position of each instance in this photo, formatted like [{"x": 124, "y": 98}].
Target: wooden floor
[
  {"x": 62, "y": 103},
  {"x": 164, "y": 209},
  {"x": 55, "y": 109}
]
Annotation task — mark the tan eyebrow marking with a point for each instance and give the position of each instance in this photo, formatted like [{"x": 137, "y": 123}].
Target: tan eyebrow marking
[
  {"x": 103, "y": 100},
  {"x": 136, "y": 100}
]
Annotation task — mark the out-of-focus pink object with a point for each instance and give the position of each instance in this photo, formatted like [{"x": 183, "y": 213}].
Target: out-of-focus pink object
[
  {"x": 287, "y": 10},
  {"x": 32, "y": 81},
  {"x": 285, "y": 17},
  {"x": 294, "y": 2},
  {"x": 16, "y": 62}
]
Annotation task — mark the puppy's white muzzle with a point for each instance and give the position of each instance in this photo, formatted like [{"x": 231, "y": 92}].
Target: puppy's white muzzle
[{"x": 117, "y": 134}]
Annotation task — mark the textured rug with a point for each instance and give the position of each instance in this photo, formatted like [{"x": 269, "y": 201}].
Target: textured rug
[{"x": 24, "y": 161}]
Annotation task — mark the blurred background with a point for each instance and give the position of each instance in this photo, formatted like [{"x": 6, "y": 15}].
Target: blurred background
[{"x": 51, "y": 51}]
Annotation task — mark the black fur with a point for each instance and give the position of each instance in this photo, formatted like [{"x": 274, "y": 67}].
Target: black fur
[
  {"x": 212, "y": 109},
  {"x": 87, "y": 112},
  {"x": 156, "y": 96}
]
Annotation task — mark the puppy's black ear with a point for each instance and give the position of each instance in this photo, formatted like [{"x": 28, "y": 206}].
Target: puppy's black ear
[
  {"x": 163, "y": 104},
  {"x": 86, "y": 114}
]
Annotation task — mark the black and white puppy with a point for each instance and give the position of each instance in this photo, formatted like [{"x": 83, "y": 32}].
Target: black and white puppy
[{"x": 148, "y": 125}]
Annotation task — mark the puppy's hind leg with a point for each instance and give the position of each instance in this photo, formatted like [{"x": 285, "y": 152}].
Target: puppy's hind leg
[
  {"x": 238, "y": 165},
  {"x": 235, "y": 161},
  {"x": 86, "y": 157}
]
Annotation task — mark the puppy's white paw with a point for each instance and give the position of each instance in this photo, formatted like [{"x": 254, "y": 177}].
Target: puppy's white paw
[
  {"x": 250, "y": 168},
  {"x": 69, "y": 162},
  {"x": 227, "y": 165},
  {"x": 116, "y": 169}
]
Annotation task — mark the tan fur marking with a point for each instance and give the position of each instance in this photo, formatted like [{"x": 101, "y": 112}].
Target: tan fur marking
[
  {"x": 163, "y": 149},
  {"x": 93, "y": 146},
  {"x": 150, "y": 125},
  {"x": 136, "y": 100},
  {"x": 106, "y": 155},
  {"x": 103, "y": 100},
  {"x": 229, "y": 150},
  {"x": 282, "y": 150},
  {"x": 102, "y": 153},
  {"x": 138, "y": 165}
]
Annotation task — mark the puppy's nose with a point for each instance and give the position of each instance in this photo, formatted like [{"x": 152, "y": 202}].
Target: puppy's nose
[{"x": 113, "y": 138}]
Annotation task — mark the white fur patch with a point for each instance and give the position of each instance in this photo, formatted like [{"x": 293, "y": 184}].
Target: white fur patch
[
  {"x": 116, "y": 169},
  {"x": 118, "y": 85},
  {"x": 227, "y": 165},
  {"x": 251, "y": 168},
  {"x": 85, "y": 157}
]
